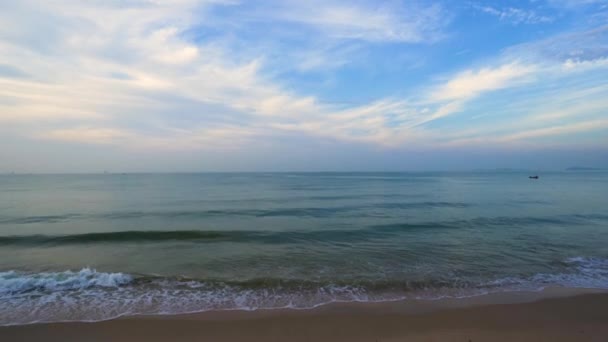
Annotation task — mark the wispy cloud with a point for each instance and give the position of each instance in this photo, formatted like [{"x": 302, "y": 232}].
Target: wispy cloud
[
  {"x": 577, "y": 3},
  {"x": 143, "y": 43},
  {"x": 515, "y": 15},
  {"x": 145, "y": 75},
  {"x": 471, "y": 83},
  {"x": 578, "y": 127},
  {"x": 410, "y": 22},
  {"x": 92, "y": 135}
]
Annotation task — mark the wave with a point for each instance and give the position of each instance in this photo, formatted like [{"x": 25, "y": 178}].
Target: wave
[
  {"x": 355, "y": 211},
  {"x": 214, "y": 236},
  {"x": 89, "y": 295},
  {"x": 584, "y": 272},
  {"x": 13, "y": 282},
  {"x": 122, "y": 236},
  {"x": 313, "y": 212},
  {"x": 196, "y": 236},
  {"x": 38, "y": 219},
  {"x": 286, "y": 237}
]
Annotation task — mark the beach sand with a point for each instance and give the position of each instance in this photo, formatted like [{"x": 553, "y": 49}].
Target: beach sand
[{"x": 532, "y": 317}]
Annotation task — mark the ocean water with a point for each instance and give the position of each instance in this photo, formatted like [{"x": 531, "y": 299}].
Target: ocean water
[{"x": 94, "y": 247}]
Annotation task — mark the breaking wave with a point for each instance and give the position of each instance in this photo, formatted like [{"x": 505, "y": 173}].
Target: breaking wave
[{"x": 89, "y": 295}]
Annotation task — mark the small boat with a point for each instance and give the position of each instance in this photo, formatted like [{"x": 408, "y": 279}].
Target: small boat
[{"x": 533, "y": 177}]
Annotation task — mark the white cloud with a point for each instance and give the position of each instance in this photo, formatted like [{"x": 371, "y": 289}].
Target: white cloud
[
  {"x": 577, "y": 3},
  {"x": 91, "y": 135},
  {"x": 579, "y": 46},
  {"x": 585, "y": 65},
  {"x": 527, "y": 136},
  {"x": 577, "y": 127},
  {"x": 120, "y": 74},
  {"x": 583, "y": 108},
  {"x": 471, "y": 83},
  {"x": 515, "y": 15},
  {"x": 125, "y": 73},
  {"x": 373, "y": 23}
]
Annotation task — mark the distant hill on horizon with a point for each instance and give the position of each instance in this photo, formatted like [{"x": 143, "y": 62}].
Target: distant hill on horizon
[{"x": 583, "y": 168}]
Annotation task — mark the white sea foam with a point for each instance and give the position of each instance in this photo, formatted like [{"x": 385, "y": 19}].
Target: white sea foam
[
  {"x": 12, "y": 282},
  {"x": 87, "y": 295},
  {"x": 582, "y": 272}
]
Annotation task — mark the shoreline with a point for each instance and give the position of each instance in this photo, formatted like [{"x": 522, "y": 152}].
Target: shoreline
[
  {"x": 412, "y": 306},
  {"x": 557, "y": 314}
]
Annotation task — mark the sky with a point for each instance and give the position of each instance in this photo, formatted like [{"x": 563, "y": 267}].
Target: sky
[{"x": 281, "y": 85}]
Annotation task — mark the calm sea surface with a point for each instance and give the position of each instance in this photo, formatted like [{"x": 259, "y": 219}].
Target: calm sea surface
[{"x": 92, "y": 247}]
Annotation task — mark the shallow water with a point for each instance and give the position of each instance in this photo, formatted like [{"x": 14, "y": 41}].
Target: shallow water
[{"x": 89, "y": 247}]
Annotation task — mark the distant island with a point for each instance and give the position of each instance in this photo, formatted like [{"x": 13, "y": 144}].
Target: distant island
[
  {"x": 582, "y": 168},
  {"x": 502, "y": 169}
]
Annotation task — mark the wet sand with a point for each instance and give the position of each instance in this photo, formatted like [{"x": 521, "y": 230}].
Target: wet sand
[{"x": 532, "y": 317}]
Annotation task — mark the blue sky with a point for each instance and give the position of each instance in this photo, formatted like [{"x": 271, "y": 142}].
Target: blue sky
[{"x": 228, "y": 85}]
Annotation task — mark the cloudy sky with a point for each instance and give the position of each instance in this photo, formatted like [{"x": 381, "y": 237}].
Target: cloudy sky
[{"x": 213, "y": 85}]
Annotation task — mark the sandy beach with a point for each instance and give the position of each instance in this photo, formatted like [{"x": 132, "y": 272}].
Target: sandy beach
[{"x": 578, "y": 317}]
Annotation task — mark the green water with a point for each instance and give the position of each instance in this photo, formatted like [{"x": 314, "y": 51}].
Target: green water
[{"x": 168, "y": 243}]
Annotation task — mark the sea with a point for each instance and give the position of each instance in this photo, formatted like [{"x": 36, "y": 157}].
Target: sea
[{"x": 96, "y": 247}]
